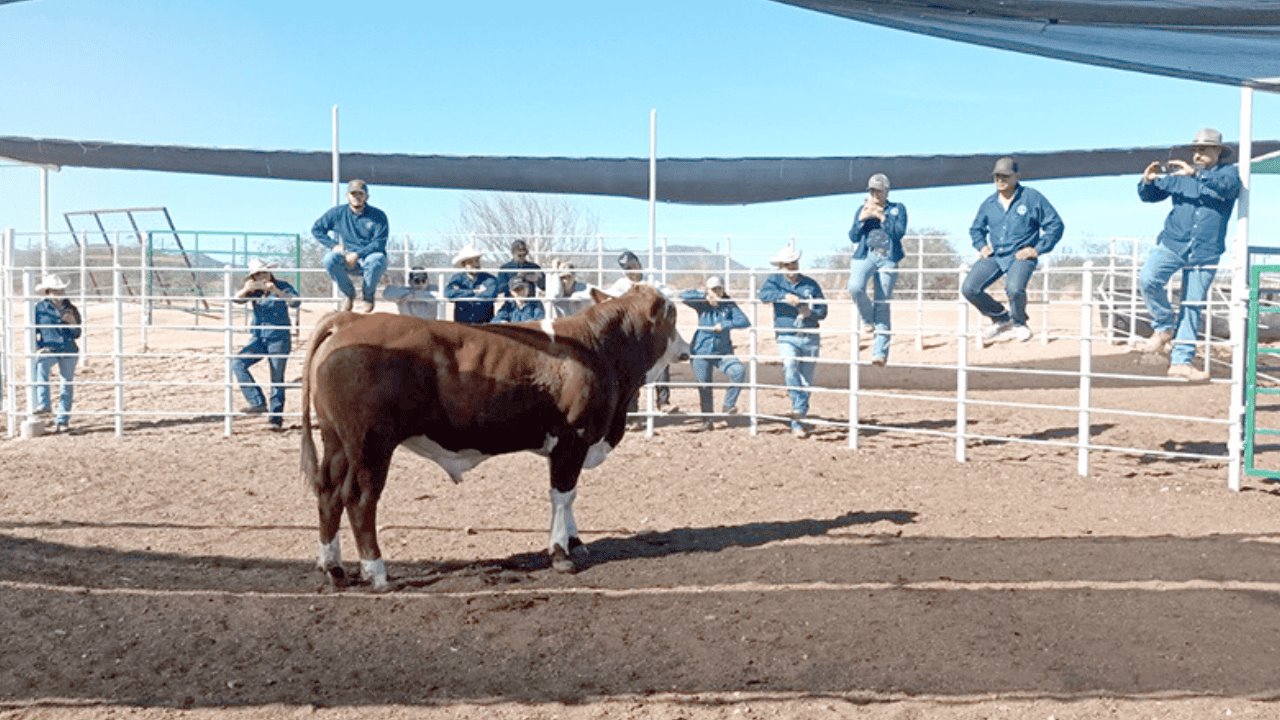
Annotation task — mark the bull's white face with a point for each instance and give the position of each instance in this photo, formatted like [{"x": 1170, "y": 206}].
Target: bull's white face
[{"x": 677, "y": 346}]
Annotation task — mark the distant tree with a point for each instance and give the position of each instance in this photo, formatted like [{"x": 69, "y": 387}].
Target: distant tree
[{"x": 553, "y": 226}]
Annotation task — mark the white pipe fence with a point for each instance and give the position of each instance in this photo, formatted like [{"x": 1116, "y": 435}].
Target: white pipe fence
[{"x": 173, "y": 360}]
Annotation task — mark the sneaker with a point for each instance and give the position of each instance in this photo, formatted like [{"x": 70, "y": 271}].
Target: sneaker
[
  {"x": 729, "y": 410},
  {"x": 995, "y": 332},
  {"x": 879, "y": 360},
  {"x": 62, "y": 427},
  {"x": 1158, "y": 342},
  {"x": 42, "y": 412},
  {"x": 253, "y": 409},
  {"x": 364, "y": 306},
  {"x": 1188, "y": 372},
  {"x": 275, "y": 427},
  {"x": 799, "y": 431},
  {"x": 1021, "y": 333},
  {"x": 705, "y": 425},
  {"x": 347, "y": 304}
]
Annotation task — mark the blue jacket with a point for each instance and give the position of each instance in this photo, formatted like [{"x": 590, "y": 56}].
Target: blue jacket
[
  {"x": 785, "y": 317},
  {"x": 510, "y": 312},
  {"x": 480, "y": 291},
  {"x": 894, "y": 225},
  {"x": 1196, "y": 228},
  {"x": 52, "y": 333},
  {"x": 363, "y": 234},
  {"x": 271, "y": 322},
  {"x": 508, "y": 271},
  {"x": 727, "y": 314},
  {"x": 1030, "y": 221}
]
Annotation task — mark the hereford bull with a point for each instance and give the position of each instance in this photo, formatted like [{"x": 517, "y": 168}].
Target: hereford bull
[{"x": 459, "y": 394}]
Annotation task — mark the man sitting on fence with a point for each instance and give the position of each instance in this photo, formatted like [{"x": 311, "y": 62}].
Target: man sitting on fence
[
  {"x": 271, "y": 339},
  {"x": 58, "y": 325},
  {"x": 1204, "y": 193},
  {"x": 360, "y": 246}
]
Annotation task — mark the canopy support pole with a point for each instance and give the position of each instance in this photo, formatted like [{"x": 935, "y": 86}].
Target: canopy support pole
[{"x": 1240, "y": 293}]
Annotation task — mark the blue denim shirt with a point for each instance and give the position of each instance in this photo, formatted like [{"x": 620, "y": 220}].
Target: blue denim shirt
[
  {"x": 510, "y": 312},
  {"x": 363, "y": 234},
  {"x": 52, "y": 333},
  {"x": 1030, "y": 221},
  {"x": 481, "y": 291},
  {"x": 786, "y": 319},
  {"x": 726, "y": 313},
  {"x": 894, "y": 225},
  {"x": 508, "y": 271},
  {"x": 1196, "y": 228}
]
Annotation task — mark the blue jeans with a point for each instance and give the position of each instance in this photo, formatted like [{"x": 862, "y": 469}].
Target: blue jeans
[
  {"x": 371, "y": 268},
  {"x": 67, "y": 369},
  {"x": 883, "y": 273},
  {"x": 730, "y": 366},
  {"x": 798, "y": 373},
  {"x": 1156, "y": 272},
  {"x": 278, "y": 350},
  {"x": 986, "y": 271}
]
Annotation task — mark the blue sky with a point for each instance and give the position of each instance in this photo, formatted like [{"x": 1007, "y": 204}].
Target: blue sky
[{"x": 728, "y": 78}]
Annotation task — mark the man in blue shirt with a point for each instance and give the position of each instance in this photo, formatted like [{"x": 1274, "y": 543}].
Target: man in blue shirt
[
  {"x": 271, "y": 339},
  {"x": 520, "y": 261},
  {"x": 58, "y": 325},
  {"x": 358, "y": 245},
  {"x": 713, "y": 347},
  {"x": 519, "y": 308},
  {"x": 877, "y": 249},
  {"x": 471, "y": 290},
  {"x": 1013, "y": 228},
  {"x": 798, "y": 307},
  {"x": 1204, "y": 194}
]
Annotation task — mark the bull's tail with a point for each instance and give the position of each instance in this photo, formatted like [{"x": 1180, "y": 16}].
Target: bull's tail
[{"x": 309, "y": 462}]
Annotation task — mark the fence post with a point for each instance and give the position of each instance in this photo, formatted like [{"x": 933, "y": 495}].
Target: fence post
[
  {"x": 1111, "y": 291},
  {"x": 228, "y": 400},
  {"x": 1133, "y": 292},
  {"x": 1044, "y": 315},
  {"x": 919, "y": 293},
  {"x": 1208, "y": 325},
  {"x": 855, "y": 375},
  {"x": 84, "y": 303},
  {"x": 753, "y": 335},
  {"x": 144, "y": 287},
  {"x": 6, "y": 330},
  {"x": 1086, "y": 366},
  {"x": 29, "y": 342},
  {"x": 117, "y": 317},
  {"x": 962, "y": 365}
]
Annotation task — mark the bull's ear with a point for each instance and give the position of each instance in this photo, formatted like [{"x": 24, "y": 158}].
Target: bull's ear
[{"x": 600, "y": 296}]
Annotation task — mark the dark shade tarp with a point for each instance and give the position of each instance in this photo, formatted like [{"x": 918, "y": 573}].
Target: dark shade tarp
[
  {"x": 1231, "y": 42},
  {"x": 700, "y": 181}
]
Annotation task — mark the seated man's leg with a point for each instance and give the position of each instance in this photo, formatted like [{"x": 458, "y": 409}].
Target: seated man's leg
[
  {"x": 1196, "y": 282},
  {"x": 372, "y": 267},
  {"x": 886, "y": 277},
  {"x": 984, "y": 272},
  {"x": 1153, "y": 279},
  {"x": 1015, "y": 286},
  {"x": 859, "y": 272},
  {"x": 737, "y": 372},
  {"x": 702, "y": 373},
  {"x": 247, "y": 357},
  {"x": 335, "y": 266}
]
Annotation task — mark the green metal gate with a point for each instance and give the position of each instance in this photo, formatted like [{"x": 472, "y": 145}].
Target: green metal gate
[{"x": 1251, "y": 389}]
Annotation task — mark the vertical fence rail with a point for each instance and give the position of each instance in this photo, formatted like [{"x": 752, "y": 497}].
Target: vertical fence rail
[
  {"x": 1044, "y": 315},
  {"x": 117, "y": 345},
  {"x": 6, "y": 335},
  {"x": 1133, "y": 292},
  {"x": 1086, "y": 366},
  {"x": 962, "y": 364},
  {"x": 228, "y": 350},
  {"x": 29, "y": 341},
  {"x": 919, "y": 293},
  {"x": 1111, "y": 290},
  {"x": 855, "y": 375},
  {"x": 753, "y": 339}
]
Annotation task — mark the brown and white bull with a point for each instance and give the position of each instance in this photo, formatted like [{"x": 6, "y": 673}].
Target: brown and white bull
[{"x": 459, "y": 394}]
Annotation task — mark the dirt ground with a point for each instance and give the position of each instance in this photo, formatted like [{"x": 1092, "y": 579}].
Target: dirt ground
[{"x": 170, "y": 572}]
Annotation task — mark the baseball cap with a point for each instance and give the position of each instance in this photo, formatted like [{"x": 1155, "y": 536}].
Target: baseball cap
[
  {"x": 358, "y": 185},
  {"x": 714, "y": 282},
  {"x": 626, "y": 258},
  {"x": 1005, "y": 166},
  {"x": 879, "y": 181}
]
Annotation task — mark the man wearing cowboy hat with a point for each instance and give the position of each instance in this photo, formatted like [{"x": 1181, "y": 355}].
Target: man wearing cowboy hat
[
  {"x": 1014, "y": 226},
  {"x": 798, "y": 307},
  {"x": 471, "y": 290},
  {"x": 358, "y": 244},
  {"x": 566, "y": 295},
  {"x": 1204, "y": 194},
  {"x": 58, "y": 325},
  {"x": 877, "y": 249},
  {"x": 520, "y": 261},
  {"x": 271, "y": 339}
]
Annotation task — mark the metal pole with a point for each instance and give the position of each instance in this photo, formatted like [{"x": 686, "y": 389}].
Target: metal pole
[
  {"x": 1044, "y": 314},
  {"x": 1086, "y": 366},
  {"x": 228, "y": 399},
  {"x": 962, "y": 364},
  {"x": 84, "y": 303},
  {"x": 337, "y": 160},
  {"x": 855, "y": 377},
  {"x": 44, "y": 219},
  {"x": 919, "y": 293},
  {"x": 753, "y": 353},
  {"x": 653, "y": 186},
  {"x": 144, "y": 282},
  {"x": 6, "y": 322},
  {"x": 1111, "y": 291},
  {"x": 29, "y": 317},
  {"x": 117, "y": 278},
  {"x": 1133, "y": 292},
  {"x": 1240, "y": 293}
]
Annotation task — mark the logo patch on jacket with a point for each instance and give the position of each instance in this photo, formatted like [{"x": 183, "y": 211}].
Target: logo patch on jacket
[{"x": 1022, "y": 209}]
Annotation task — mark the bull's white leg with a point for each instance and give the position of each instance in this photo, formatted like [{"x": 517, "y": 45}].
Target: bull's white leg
[
  {"x": 562, "y": 525},
  {"x": 374, "y": 571},
  {"x": 330, "y": 554}
]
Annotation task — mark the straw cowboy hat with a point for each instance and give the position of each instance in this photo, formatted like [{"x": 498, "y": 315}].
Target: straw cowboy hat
[
  {"x": 1209, "y": 137},
  {"x": 786, "y": 255},
  {"x": 256, "y": 266},
  {"x": 51, "y": 282},
  {"x": 469, "y": 252}
]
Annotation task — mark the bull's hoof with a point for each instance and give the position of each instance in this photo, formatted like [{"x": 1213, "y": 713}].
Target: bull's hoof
[
  {"x": 337, "y": 577},
  {"x": 561, "y": 562}
]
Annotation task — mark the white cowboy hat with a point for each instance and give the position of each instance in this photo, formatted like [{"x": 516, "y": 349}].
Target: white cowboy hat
[
  {"x": 467, "y": 253},
  {"x": 51, "y": 282},
  {"x": 786, "y": 255},
  {"x": 256, "y": 266},
  {"x": 714, "y": 282}
]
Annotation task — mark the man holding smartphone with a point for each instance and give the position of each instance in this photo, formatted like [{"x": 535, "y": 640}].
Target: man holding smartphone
[{"x": 1204, "y": 194}]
